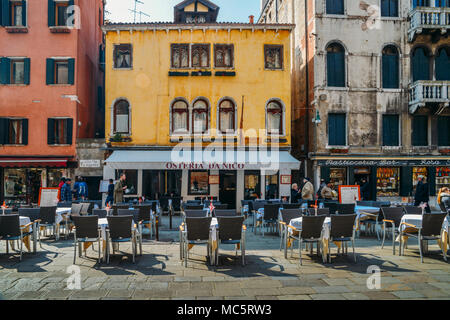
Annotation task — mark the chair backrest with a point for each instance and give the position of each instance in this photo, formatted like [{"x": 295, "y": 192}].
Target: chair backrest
[
  {"x": 345, "y": 208},
  {"x": 198, "y": 228},
  {"x": 291, "y": 205},
  {"x": 76, "y": 209},
  {"x": 193, "y": 207},
  {"x": 271, "y": 211},
  {"x": 230, "y": 228},
  {"x": 412, "y": 210},
  {"x": 193, "y": 201},
  {"x": 144, "y": 212},
  {"x": 86, "y": 226},
  {"x": 129, "y": 212},
  {"x": 432, "y": 224},
  {"x": 47, "y": 215},
  {"x": 288, "y": 214},
  {"x": 312, "y": 227},
  {"x": 120, "y": 226},
  {"x": 117, "y": 207},
  {"x": 65, "y": 204},
  {"x": 86, "y": 208},
  {"x": 100, "y": 213},
  {"x": 222, "y": 206},
  {"x": 258, "y": 204},
  {"x": 32, "y": 213},
  {"x": 195, "y": 213},
  {"x": 320, "y": 212},
  {"x": 9, "y": 225},
  {"x": 395, "y": 214},
  {"x": 342, "y": 225},
  {"x": 6, "y": 211},
  {"x": 274, "y": 201},
  {"x": 365, "y": 203},
  {"x": 331, "y": 205},
  {"x": 225, "y": 213},
  {"x": 381, "y": 204},
  {"x": 176, "y": 203}
]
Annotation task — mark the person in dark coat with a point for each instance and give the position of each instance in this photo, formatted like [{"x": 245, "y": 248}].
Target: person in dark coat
[
  {"x": 365, "y": 190},
  {"x": 422, "y": 194},
  {"x": 295, "y": 193}
]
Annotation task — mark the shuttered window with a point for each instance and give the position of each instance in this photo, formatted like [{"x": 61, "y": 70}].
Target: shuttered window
[
  {"x": 337, "y": 129},
  {"x": 390, "y": 67},
  {"x": 335, "y": 6},
  {"x": 444, "y": 131},
  {"x": 59, "y": 131},
  {"x": 13, "y": 13},
  {"x": 58, "y": 12},
  {"x": 13, "y": 131},
  {"x": 60, "y": 71},
  {"x": 420, "y": 64},
  {"x": 442, "y": 64},
  {"x": 420, "y": 131},
  {"x": 389, "y": 8},
  {"x": 14, "y": 71},
  {"x": 390, "y": 130},
  {"x": 335, "y": 65}
]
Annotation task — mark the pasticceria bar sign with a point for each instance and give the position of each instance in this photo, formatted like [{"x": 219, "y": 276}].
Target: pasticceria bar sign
[{"x": 384, "y": 163}]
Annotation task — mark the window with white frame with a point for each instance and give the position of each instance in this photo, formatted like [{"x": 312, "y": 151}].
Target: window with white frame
[
  {"x": 180, "y": 117},
  {"x": 200, "y": 116},
  {"x": 227, "y": 112},
  {"x": 122, "y": 117},
  {"x": 274, "y": 118}
]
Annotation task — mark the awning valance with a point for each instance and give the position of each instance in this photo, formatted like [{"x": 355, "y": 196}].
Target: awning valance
[
  {"x": 33, "y": 163},
  {"x": 202, "y": 160}
]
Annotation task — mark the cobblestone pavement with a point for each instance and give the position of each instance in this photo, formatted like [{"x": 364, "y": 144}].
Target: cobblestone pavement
[{"x": 159, "y": 274}]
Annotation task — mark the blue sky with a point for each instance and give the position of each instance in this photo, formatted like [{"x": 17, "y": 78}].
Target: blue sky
[{"x": 162, "y": 10}]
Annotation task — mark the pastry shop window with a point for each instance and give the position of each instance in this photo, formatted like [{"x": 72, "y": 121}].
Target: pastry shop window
[
  {"x": 416, "y": 172},
  {"x": 338, "y": 177},
  {"x": 388, "y": 182},
  {"x": 442, "y": 177}
]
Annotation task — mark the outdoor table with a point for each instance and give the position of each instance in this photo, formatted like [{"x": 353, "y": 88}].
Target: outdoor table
[{"x": 416, "y": 220}]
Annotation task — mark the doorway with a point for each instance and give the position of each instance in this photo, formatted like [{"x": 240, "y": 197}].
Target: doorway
[
  {"x": 361, "y": 174},
  {"x": 227, "y": 188}
]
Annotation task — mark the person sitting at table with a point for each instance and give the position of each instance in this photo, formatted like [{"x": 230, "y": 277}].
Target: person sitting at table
[
  {"x": 443, "y": 198},
  {"x": 327, "y": 191}
]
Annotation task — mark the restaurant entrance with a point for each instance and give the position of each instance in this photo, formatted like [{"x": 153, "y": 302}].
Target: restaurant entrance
[{"x": 227, "y": 188}]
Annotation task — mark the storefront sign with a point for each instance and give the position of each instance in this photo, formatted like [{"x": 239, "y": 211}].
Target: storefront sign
[
  {"x": 204, "y": 166},
  {"x": 349, "y": 194},
  {"x": 383, "y": 163},
  {"x": 285, "y": 179},
  {"x": 214, "y": 179},
  {"x": 89, "y": 163},
  {"x": 48, "y": 197}
]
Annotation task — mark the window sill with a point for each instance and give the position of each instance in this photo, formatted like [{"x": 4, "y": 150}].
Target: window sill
[
  {"x": 390, "y": 148},
  {"x": 16, "y": 85},
  {"x": 337, "y": 88},
  {"x": 178, "y": 74},
  {"x": 59, "y": 145},
  {"x": 391, "y": 90},
  {"x": 60, "y": 85},
  {"x": 14, "y": 145},
  {"x": 201, "y": 74},
  {"x": 266, "y": 69},
  {"x": 16, "y": 29},
  {"x": 122, "y": 69},
  {"x": 225, "y": 74},
  {"x": 59, "y": 29}
]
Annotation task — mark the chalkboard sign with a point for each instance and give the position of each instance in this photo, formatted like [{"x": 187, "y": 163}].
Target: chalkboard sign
[
  {"x": 349, "y": 194},
  {"x": 49, "y": 197}
]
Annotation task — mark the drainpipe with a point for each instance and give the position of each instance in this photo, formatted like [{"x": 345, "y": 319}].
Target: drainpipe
[{"x": 306, "y": 84}]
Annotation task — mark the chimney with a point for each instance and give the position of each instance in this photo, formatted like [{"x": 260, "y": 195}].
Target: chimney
[{"x": 252, "y": 19}]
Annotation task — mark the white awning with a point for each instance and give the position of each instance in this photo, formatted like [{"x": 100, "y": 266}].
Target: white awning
[{"x": 202, "y": 160}]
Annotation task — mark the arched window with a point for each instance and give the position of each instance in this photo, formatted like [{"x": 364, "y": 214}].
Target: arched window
[
  {"x": 390, "y": 67},
  {"x": 180, "y": 117},
  {"x": 442, "y": 64},
  {"x": 335, "y": 65},
  {"x": 122, "y": 117},
  {"x": 421, "y": 64},
  {"x": 200, "y": 116},
  {"x": 227, "y": 113},
  {"x": 274, "y": 118},
  {"x": 200, "y": 56}
]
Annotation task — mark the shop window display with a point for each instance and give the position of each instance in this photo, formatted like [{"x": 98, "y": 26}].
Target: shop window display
[
  {"x": 15, "y": 184},
  {"x": 198, "y": 183},
  {"x": 442, "y": 177},
  {"x": 338, "y": 177},
  {"x": 272, "y": 187},
  {"x": 252, "y": 187},
  {"x": 419, "y": 171},
  {"x": 388, "y": 182},
  {"x": 54, "y": 177}
]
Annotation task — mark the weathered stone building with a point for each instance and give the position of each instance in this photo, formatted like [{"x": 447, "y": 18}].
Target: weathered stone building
[{"x": 376, "y": 73}]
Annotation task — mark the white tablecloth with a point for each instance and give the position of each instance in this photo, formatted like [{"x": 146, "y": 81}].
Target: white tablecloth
[
  {"x": 60, "y": 212},
  {"x": 24, "y": 221},
  {"x": 416, "y": 220}
]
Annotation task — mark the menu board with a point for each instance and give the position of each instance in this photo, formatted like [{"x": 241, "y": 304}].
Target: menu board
[
  {"x": 48, "y": 197},
  {"x": 349, "y": 194}
]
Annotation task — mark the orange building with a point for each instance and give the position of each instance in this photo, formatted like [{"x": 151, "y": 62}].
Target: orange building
[{"x": 51, "y": 90}]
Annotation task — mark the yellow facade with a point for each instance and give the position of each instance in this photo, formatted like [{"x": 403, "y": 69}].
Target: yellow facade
[{"x": 150, "y": 90}]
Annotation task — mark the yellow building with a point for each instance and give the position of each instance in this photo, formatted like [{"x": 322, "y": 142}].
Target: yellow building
[{"x": 172, "y": 86}]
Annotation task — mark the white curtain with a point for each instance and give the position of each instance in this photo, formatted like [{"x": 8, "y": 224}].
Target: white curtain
[
  {"x": 274, "y": 123},
  {"x": 179, "y": 122},
  {"x": 18, "y": 16},
  {"x": 122, "y": 123}
]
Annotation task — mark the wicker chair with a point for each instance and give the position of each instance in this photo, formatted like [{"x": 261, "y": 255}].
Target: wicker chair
[
  {"x": 270, "y": 216},
  {"x": 320, "y": 212},
  {"x": 392, "y": 218},
  {"x": 10, "y": 230},
  {"x": 47, "y": 217},
  {"x": 286, "y": 216},
  {"x": 231, "y": 231},
  {"x": 195, "y": 231},
  {"x": 345, "y": 208},
  {"x": 86, "y": 230},
  {"x": 120, "y": 229},
  {"x": 311, "y": 233},
  {"x": 412, "y": 210},
  {"x": 225, "y": 213},
  {"x": 342, "y": 230}
]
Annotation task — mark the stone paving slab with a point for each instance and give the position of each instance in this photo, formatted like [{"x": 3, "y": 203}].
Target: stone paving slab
[{"x": 159, "y": 274}]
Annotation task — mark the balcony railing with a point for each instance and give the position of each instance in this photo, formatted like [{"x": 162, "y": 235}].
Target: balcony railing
[
  {"x": 425, "y": 91},
  {"x": 429, "y": 18}
]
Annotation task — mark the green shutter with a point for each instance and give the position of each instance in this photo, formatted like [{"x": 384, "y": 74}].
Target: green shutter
[
  {"x": 390, "y": 130},
  {"x": 71, "y": 79},
  {"x": 406, "y": 185},
  {"x": 431, "y": 177},
  {"x": 50, "y": 71},
  {"x": 444, "y": 131},
  {"x": 25, "y": 132},
  {"x": 69, "y": 131},
  {"x": 373, "y": 183},
  {"x": 51, "y": 13},
  {"x": 24, "y": 12},
  {"x": 5, "y": 13},
  {"x": 4, "y": 131},
  {"x": 5, "y": 70},
  {"x": 27, "y": 71},
  {"x": 51, "y": 131},
  {"x": 420, "y": 131}
]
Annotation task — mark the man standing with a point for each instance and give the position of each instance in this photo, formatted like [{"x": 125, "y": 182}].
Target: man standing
[
  {"x": 82, "y": 189},
  {"x": 119, "y": 188},
  {"x": 422, "y": 194},
  {"x": 66, "y": 191},
  {"x": 295, "y": 193},
  {"x": 365, "y": 190},
  {"x": 110, "y": 196},
  {"x": 322, "y": 185},
  {"x": 327, "y": 192},
  {"x": 307, "y": 190}
]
